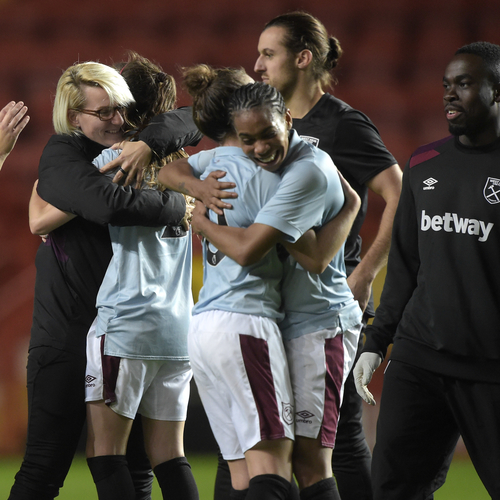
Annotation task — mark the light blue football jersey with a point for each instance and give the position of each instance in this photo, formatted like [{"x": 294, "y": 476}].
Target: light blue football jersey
[
  {"x": 144, "y": 303},
  {"x": 309, "y": 195},
  {"x": 227, "y": 286}
]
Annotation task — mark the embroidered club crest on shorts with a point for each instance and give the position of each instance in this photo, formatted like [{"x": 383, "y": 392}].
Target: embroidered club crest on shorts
[
  {"x": 491, "y": 190},
  {"x": 287, "y": 413}
]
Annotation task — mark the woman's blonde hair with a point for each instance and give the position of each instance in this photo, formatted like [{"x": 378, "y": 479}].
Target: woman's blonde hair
[
  {"x": 150, "y": 181},
  {"x": 69, "y": 92}
]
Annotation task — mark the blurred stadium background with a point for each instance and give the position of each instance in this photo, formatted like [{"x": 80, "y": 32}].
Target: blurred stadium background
[{"x": 395, "y": 52}]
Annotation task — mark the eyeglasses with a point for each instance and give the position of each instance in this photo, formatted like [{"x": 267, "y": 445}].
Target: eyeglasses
[{"x": 104, "y": 114}]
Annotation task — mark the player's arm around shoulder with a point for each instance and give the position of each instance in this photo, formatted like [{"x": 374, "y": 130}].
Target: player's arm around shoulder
[
  {"x": 245, "y": 246},
  {"x": 316, "y": 249}
]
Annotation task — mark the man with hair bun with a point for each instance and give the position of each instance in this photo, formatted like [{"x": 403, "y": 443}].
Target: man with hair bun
[
  {"x": 439, "y": 306},
  {"x": 297, "y": 56}
]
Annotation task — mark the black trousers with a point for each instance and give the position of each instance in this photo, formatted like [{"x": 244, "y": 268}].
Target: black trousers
[
  {"x": 422, "y": 415},
  {"x": 56, "y": 415},
  {"x": 351, "y": 460}
]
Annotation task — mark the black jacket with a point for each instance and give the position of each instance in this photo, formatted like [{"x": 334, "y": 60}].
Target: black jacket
[
  {"x": 440, "y": 303},
  {"x": 72, "y": 263}
]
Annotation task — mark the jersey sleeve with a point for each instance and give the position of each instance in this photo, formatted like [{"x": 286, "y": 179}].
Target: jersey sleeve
[
  {"x": 358, "y": 149},
  {"x": 69, "y": 181},
  {"x": 298, "y": 202},
  {"x": 402, "y": 271},
  {"x": 171, "y": 131},
  {"x": 254, "y": 192},
  {"x": 200, "y": 161},
  {"x": 104, "y": 158}
]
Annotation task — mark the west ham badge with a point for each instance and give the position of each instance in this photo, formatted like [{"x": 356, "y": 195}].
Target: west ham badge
[{"x": 491, "y": 190}]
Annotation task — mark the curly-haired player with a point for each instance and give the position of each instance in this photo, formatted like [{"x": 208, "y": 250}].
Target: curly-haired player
[{"x": 327, "y": 319}]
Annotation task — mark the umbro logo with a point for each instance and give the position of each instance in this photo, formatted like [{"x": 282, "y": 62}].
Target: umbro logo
[
  {"x": 89, "y": 379},
  {"x": 305, "y": 414},
  {"x": 304, "y": 417},
  {"x": 429, "y": 183}
]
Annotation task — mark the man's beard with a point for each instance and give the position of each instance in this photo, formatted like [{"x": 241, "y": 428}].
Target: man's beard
[
  {"x": 472, "y": 128},
  {"x": 457, "y": 130}
]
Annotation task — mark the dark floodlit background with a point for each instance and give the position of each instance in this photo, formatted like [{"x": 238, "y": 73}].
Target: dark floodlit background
[{"x": 395, "y": 55}]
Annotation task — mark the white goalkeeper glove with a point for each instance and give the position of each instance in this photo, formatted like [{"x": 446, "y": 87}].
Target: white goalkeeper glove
[{"x": 367, "y": 363}]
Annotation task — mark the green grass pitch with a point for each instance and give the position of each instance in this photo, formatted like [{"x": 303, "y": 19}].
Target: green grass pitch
[{"x": 462, "y": 482}]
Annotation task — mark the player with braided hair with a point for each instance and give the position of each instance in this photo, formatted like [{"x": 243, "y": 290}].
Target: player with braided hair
[
  {"x": 257, "y": 96},
  {"x": 234, "y": 342},
  {"x": 327, "y": 319},
  {"x": 137, "y": 359},
  {"x": 232, "y": 301}
]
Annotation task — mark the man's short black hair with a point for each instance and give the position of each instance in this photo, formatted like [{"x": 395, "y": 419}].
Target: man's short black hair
[{"x": 488, "y": 52}]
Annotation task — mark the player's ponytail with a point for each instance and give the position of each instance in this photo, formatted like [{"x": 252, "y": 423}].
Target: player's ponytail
[{"x": 210, "y": 90}]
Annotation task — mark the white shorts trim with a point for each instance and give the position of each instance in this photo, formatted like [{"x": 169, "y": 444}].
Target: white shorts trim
[
  {"x": 157, "y": 389},
  {"x": 241, "y": 372}
]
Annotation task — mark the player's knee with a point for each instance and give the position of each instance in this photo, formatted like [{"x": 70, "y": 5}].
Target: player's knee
[{"x": 311, "y": 462}]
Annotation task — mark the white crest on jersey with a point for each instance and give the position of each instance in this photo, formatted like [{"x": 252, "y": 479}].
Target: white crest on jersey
[
  {"x": 311, "y": 140},
  {"x": 491, "y": 190},
  {"x": 287, "y": 413}
]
